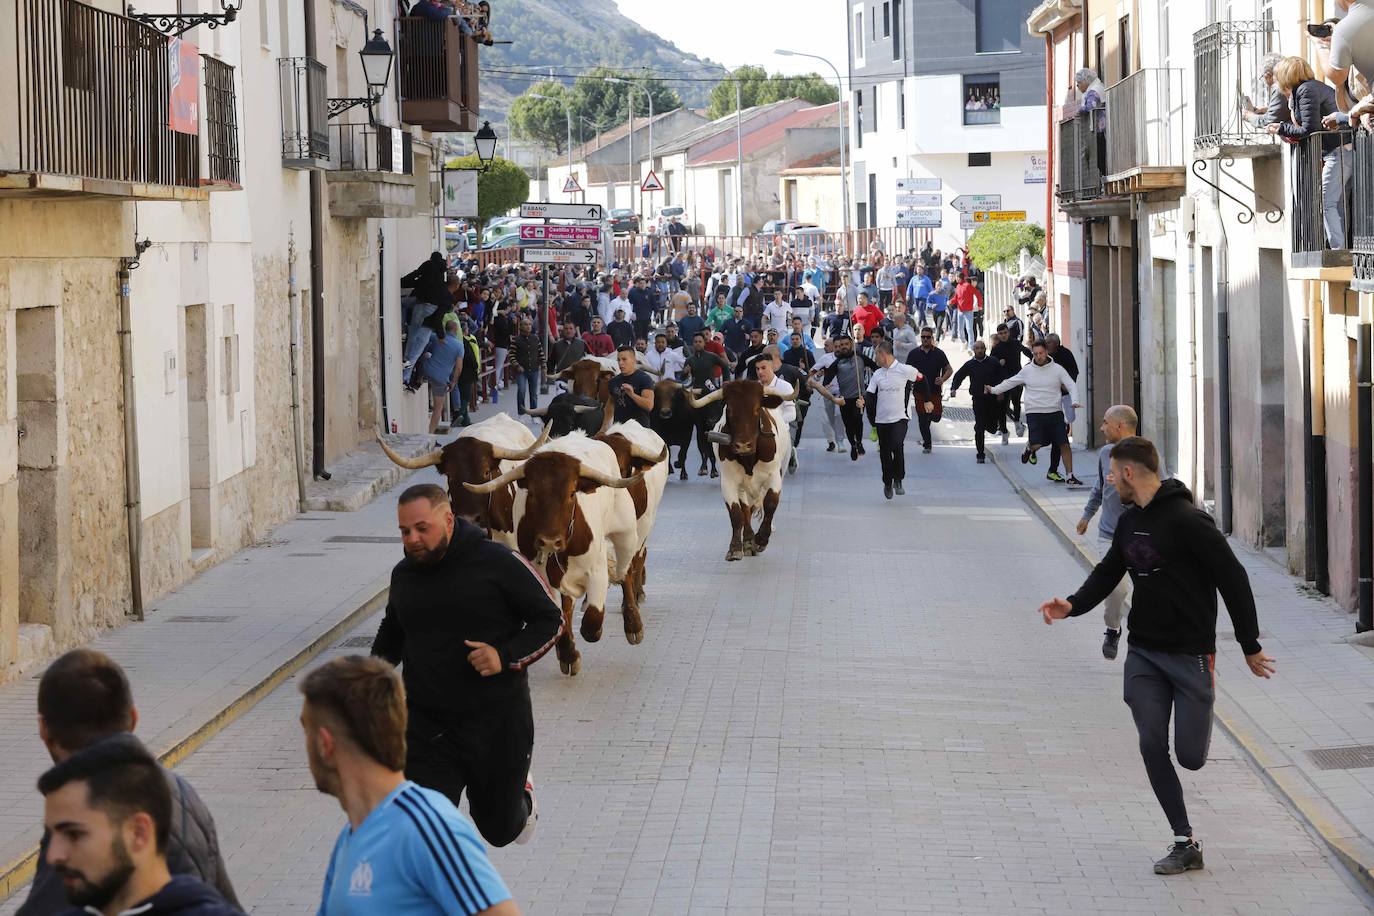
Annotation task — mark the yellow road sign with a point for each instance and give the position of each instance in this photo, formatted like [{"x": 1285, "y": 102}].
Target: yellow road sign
[{"x": 999, "y": 216}]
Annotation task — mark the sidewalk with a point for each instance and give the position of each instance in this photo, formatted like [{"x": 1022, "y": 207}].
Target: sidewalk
[
  {"x": 210, "y": 650},
  {"x": 1311, "y": 728}
]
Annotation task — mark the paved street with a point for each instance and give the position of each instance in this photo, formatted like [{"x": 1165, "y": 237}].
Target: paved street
[{"x": 868, "y": 718}]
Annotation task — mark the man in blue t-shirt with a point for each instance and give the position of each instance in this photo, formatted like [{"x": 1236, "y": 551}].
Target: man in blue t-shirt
[{"x": 406, "y": 850}]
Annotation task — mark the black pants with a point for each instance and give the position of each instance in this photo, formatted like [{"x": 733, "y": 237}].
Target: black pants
[
  {"x": 892, "y": 451},
  {"x": 853, "y": 419},
  {"x": 1159, "y": 684},
  {"x": 987, "y": 412},
  {"x": 488, "y": 756},
  {"x": 941, "y": 320},
  {"x": 1011, "y": 408},
  {"x": 977, "y": 325},
  {"x": 923, "y": 424},
  {"x": 803, "y": 407}
]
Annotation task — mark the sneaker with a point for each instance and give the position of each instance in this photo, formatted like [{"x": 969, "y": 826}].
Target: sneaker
[
  {"x": 853, "y": 454},
  {"x": 979, "y": 459},
  {"x": 532, "y": 822},
  {"x": 830, "y": 447},
  {"x": 861, "y": 449},
  {"x": 1020, "y": 428},
  {"x": 1034, "y": 458},
  {"x": 792, "y": 466},
  {"x": 873, "y": 434},
  {"x": 897, "y": 488},
  {"x": 1183, "y": 856},
  {"x": 887, "y": 490},
  {"x": 1026, "y": 456},
  {"x": 1006, "y": 439},
  {"x": 701, "y": 472},
  {"x": 1074, "y": 481},
  {"x": 1055, "y": 476},
  {"x": 1110, "y": 641},
  {"x": 925, "y": 449},
  {"x": 715, "y": 473}
]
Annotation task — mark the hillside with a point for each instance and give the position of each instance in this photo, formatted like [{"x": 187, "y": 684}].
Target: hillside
[{"x": 568, "y": 36}]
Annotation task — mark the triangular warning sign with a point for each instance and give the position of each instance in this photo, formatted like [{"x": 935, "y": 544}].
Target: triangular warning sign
[
  {"x": 651, "y": 183},
  {"x": 571, "y": 186}
]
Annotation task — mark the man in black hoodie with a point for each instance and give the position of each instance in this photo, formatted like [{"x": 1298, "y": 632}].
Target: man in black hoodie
[
  {"x": 1178, "y": 561},
  {"x": 982, "y": 372},
  {"x": 465, "y": 618},
  {"x": 84, "y": 698}
]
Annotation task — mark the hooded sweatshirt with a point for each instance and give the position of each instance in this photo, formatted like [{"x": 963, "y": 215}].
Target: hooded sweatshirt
[
  {"x": 480, "y": 591},
  {"x": 1178, "y": 561},
  {"x": 182, "y": 896}
]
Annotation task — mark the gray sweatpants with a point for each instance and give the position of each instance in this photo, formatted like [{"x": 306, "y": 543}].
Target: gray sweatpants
[
  {"x": 1160, "y": 684},
  {"x": 1114, "y": 608}
]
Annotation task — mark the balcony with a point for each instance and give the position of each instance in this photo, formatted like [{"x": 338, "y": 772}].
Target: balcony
[
  {"x": 1329, "y": 258},
  {"x": 372, "y": 173},
  {"x": 1145, "y": 135},
  {"x": 1361, "y": 195},
  {"x": 1081, "y": 156},
  {"x": 438, "y": 75},
  {"x": 304, "y": 113},
  {"x": 88, "y": 109},
  {"x": 1227, "y": 63}
]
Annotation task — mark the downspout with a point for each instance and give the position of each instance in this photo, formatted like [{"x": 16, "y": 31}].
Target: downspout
[
  {"x": 1135, "y": 314},
  {"x": 381, "y": 324},
  {"x": 133, "y": 501},
  {"x": 293, "y": 299},
  {"x": 1049, "y": 161},
  {"x": 317, "y": 379},
  {"x": 1365, "y": 434},
  {"x": 1088, "y": 330},
  {"x": 1317, "y": 469},
  {"x": 1224, "y": 500}
]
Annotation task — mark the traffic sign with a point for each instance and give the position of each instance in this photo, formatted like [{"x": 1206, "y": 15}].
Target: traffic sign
[
  {"x": 967, "y": 203},
  {"x": 651, "y": 183},
  {"x": 570, "y": 186},
  {"x": 918, "y": 184},
  {"x": 558, "y": 255},
  {"x": 913, "y": 199},
  {"x": 966, "y": 221},
  {"x": 999, "y": 216},
  {"x": 561, "y": 233},
  {"x": 920, "y": 219},
  {"x": 542, "y": 209}
]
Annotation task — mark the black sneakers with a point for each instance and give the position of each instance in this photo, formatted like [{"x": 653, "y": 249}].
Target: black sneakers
[
  {"x": 925, "y": 449},
  {"x": 979, "y": 459},
  {"x": 887, "y": 490},
  {"x": 1074, "y": 481},
  {"x": 897, "y": 488},
  {"x": 1182, "y": 857},
  {"x": 1110, "y": 641}
]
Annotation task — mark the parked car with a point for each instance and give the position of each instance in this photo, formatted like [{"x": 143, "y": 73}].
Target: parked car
[
  {"x": 665, "y": 216},
  {"x": 777, "y": 226},
  {"x": 812, "y": 240},
  {"x": 624, "y": 221}
]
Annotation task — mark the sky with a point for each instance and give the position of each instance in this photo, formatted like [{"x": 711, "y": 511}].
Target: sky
[{"x": 734, "y": 32}]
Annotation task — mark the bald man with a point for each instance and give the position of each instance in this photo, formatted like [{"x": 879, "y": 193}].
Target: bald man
[{"x": 1118, "y": 422}]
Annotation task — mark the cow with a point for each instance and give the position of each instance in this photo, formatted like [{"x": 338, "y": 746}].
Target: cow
[
  {"x": 753, "y": 445},
  {"x": 568, "y": 411},
  {"x": 571, "y": 504},
  {"x": 674, "y": 421},
  {"x": 638, "y": 449},
  {"x": 481, "y": 452},
  {"x": 590, "y": 377}
]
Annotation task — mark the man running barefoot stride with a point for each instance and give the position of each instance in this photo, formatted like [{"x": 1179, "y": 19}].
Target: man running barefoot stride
[{"x": 1178, "y": 561}]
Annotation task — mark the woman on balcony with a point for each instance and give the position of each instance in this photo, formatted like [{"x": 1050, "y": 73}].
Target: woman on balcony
[{"x": 1311, "y": 100}]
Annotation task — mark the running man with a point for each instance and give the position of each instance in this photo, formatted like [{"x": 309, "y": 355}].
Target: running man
[
  {"x": 890, "y": 411},
  {"x": 931, "y": 362},
  {"x": 982, "y": 371},
  {"x": 1043, "y": 380},
  {"x": 1178, "y": 561},
  {"x": 847, "y": 371}
]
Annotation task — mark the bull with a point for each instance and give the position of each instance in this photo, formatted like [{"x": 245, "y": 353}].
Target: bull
[
  {"x": 571, "y": 504},
  {"x": 637, "y": 450},
  {"x": 676, "y": 420},
  {"x": 753, "y": 445},
  {"x": 569, "y": 411}
]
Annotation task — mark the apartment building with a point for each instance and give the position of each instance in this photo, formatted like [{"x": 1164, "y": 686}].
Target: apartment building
[{"x": 951, "y": 90}]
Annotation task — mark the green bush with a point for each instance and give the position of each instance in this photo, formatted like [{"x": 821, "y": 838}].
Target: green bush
[{"x": 1000, "y": 244}]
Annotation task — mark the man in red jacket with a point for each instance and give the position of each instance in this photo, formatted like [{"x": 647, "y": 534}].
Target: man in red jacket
[
  {"x": 867, "y": 315},
  {"x": 967, "y": 299}
]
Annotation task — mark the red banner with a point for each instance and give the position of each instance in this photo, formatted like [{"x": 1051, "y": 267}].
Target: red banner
[{"x": 183, "y": 78}]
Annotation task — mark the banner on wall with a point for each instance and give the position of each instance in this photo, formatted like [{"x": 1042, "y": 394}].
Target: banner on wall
[
  {"x": 183, "y": 81},
  {"x": 1037, "y": 168}
]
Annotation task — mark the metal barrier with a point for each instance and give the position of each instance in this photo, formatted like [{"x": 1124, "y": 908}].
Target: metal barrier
[
  {"x": 1227, "y": 60},
  {"x": 1311, "y": 247},
  {"x": 825, "y": 245},
  {"x": 369, "y": 148},
  {"x": 1082, "y": 149},
  {"x": 1361, "y": 195}
]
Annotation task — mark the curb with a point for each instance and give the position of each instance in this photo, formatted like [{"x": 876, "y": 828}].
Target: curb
[
  {"x": 364, "y": 603},
  {"x": 1346, "y": 842}
]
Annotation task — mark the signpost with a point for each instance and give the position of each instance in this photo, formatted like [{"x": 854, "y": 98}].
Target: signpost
[
  {"x": 542, "y": 209},
  {"x": 968, "y": 203},
  {"x": 920, "y": 219},
  {"x": 918, "y": 184},
  {"x": 561, "y": 233},
  {"x": 908, "y": 199},
  {"x": 999, "y": 216},
  {"x": 558, "y": 256},
  {"x": 965, "y": 220},
  {"x": 650, "y": 183}
]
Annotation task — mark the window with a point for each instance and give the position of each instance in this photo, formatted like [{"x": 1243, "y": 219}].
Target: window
[
  {"x": 859, "y": 118},
  {"x": 875, "y": 93},
  {"x": 897, "y": 29},
  {"x": 999, "y": 24},
  {"x": 887, "y": 20},
  {"x": 983, "y": 99},
  {"x": 1164, "y": 32},
  {"x": 901, "y": 104},
  {"x": 1267, "y": 22},
  {"x": 1099, "y": 55},
  {"x": 1123, "y": 45},
  {"x": 873, "y": 25},
  {"x": 979, "y": 160},
  {"x": 859, "y": 35}
]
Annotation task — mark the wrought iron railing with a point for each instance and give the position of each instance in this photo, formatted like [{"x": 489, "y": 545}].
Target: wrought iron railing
[
  {"x": 1082, "y": 150},
  {"x": 1145, "y": 121},
  {"x": 304, "y": 112},
  {"x": 1228, "y": 62},
  {"x": 221, "y": 122},
  {"x": 437, "y": 74},
  {"x": 370, "y": 148},
  {"x": 93, "y": 97},
  {"x": 1361, "y": 194},
  {"x": 1322, "y": 221}
]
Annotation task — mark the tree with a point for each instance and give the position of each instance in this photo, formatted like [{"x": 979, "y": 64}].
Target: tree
[
  {"x": 541, "y": 120},
  {"x": 503, "y": 186},
  {"x": 1000, "y": 244},
  {"x": 604, "y": 102},
  {"x": 756, "y": 87}
]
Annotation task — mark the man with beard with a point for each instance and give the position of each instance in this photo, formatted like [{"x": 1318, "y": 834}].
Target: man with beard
[
  {"x": 405, "y": 849},
  {"x": 84, "y": 698},
  {"x": 108, "y": 813},
  {"x": 466, "y": 617}
]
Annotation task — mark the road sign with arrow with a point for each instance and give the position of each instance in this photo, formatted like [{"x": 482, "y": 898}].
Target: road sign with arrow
[
  {"x": 968, "y": 203},
  {"x": 540, "y": 209},
  {"x": 558, "y": 255}
]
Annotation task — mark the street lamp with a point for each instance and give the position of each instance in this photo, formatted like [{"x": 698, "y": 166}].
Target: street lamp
[
  {"x": 844, "y": 138},
  {"x": 485, "y": 141},
  {"x": 376, "y": 57},
  {"x": 567, "y": 111}
]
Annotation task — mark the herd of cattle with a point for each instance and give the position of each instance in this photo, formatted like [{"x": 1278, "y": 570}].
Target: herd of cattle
[{"x": 579, "y": 501}]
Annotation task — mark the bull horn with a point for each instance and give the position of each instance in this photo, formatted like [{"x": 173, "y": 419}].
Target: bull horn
[
  {"x": 586, "y": 408},
  {"x": 491, "y": 486},
  {"x": 644, "y": 455},
  {"x": 702, "y": 402},
  {"x": 786, "y": 397},
  {"x": 605, "y": 480},
  {"x": 520, "y": 454},
  {"x": 607, "y": 418},
  {"x": 412, "y": 464},
  {"x": 535, "y": 412}
]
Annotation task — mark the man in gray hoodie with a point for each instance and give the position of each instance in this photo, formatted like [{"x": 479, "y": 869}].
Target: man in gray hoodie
[{"x": 1118, "y": 422}]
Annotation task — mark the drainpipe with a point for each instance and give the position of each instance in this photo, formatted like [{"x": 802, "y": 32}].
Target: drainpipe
[
  {"x": 1366, "y": 481},
  {"x": 1316, "y": 469},
  {"x": 1135, "y": 317},
  {"x": 133, "y": 501},
  {"x": 381, "y": 323},
  {"x": 1049, "y": 161},
  {"x": 1088, "y": 401},
  {"x": 293, "y": 299},
  {"x": 1224, "y": 500},
  {"x": 317, "y": 380}
]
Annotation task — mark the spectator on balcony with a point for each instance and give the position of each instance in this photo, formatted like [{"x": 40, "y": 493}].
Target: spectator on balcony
[
  {"x": 1092, "y": 96},
  {"x": 1275, "y": 110},
  {"x": 1311, "y": 101}
]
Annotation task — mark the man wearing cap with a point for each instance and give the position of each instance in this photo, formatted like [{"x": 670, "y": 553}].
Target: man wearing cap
[{"x": 621, "y": 331}]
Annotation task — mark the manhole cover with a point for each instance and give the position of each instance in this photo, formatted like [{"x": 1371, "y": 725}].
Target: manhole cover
[
  {"x": 1356, "y": 757},
  {"x": 192, "y": 618},
  {"x": 356, "y": 642},
  {"x": 958, "y": 414},
  {"x": 361, "y": 539}
]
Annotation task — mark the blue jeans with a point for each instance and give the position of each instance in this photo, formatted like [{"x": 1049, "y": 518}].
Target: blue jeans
[
  {"x": 921, "y": 313},
  {"x": 526, "y": 380},
  {"x": 1336, "y": 166},
  {"x": 964, "y": 329},
  {"x": 417, "y": 335},
  {"x": 458, "y": 398}
]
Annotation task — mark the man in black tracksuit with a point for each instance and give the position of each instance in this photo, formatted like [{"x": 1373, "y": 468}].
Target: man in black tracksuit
[
  {"x": 1007, "y": 351},
  {"x": 1178, "y": 561},
  {"x": 983, "y": 372},
  {"x": 465, "y": 618}
]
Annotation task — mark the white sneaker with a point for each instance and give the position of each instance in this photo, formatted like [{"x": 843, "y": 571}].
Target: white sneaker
[{"x": 532, "y": 824}]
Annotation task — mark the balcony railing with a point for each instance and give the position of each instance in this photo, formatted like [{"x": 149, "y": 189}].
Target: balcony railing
[
  {"x": 1082, "y": 147},
  {"x": 1322, "y": 221},
  {"x": 437, "y": 70},
  {"x": 368, "y": 148},
  {"x": 1361, "y": 194},
  {"x": 304, "y": 113},
  {"x": 93, "y": 98},
  {"x": 221, "y": 124},
  {"x": 1145, "y": 133},
  {"x": 1227, "y": 62}
]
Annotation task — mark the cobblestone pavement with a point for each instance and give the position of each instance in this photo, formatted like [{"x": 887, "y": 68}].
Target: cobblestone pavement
[{"x": 869, "y": 718}]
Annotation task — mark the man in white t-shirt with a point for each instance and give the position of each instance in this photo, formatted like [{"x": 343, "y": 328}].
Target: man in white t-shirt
[
  {"x": 663, "y": 361},
  {"x": 778, "y": 315},
  {"x": 890, "y": 410},
  {"x": 765, "y": 368},
  {"x": 823, "y": 362}
]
